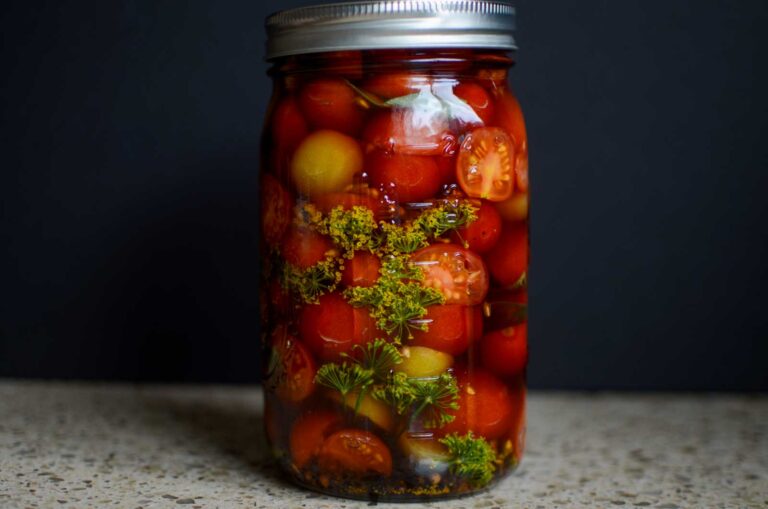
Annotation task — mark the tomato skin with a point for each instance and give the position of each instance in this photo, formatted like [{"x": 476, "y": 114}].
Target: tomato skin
[
  {"x": 509, "y": 116},
  {"x": 333, "y": 326},
  {"x": 446, "y": 166},
  {"x": 492, "y": 79},
  {"x": 515, "y": 208},
  {"x": 309, "y": 432},
  {"x": 519, "y": 296},
  {"x": 303, "y": 247},
  {"x": 355, "y": 451},
  {"x": 396, "y": 131},
  {"x": 422, "y": 361},
  {"x": 486, "y": 164},
  {"x": 452, "y": 328},
  {"x": 476, "y": 96},
  {"x": 387, "y": 86},
  {"x": 459, "y": 274},
  {"x": 361, "y": 270},
  {"x": 331, "y": 104},
  {"x": 508, "y": 259},
  {"x": 483, "y": 233},
  {"x": 288, "y": 124},
  {"x": 485, "y": 406},
  {"x": 326, "y": 161},
  {"x": 505, "y": 352},
  {"x": 292, "y": 368},
  {"x": 405, "y": 178},
  {"x": 346, "y": 200},
  {"x": 288, "y": 129},
  {"x": 521, "y": 171},
  {"x": 276, "y": 209}
]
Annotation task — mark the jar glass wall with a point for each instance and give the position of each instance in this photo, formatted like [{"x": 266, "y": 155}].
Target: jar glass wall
[{"x": 394, "y": 195}]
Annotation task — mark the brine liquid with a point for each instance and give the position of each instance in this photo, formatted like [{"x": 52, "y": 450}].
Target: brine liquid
[{"x": 394, "y": 241}]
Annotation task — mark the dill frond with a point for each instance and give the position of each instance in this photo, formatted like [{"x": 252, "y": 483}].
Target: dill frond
[
  {"x": 471, "y": 458},
  {"x": 310, "y": 283}
]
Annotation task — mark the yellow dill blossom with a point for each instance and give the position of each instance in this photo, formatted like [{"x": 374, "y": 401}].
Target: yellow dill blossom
[
  {"x": 310, "y": 283},
  {"x": 352, "y": 230}
]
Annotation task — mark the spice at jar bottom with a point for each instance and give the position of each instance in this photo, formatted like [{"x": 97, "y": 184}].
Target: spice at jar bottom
[{"x": 394, "y": 250}]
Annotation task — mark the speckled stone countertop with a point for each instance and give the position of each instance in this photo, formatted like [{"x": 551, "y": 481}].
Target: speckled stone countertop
[{"x": 86, "y": 445}]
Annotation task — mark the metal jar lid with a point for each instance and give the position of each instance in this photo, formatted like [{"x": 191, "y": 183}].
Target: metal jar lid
[{"x": 391, "y": 24}]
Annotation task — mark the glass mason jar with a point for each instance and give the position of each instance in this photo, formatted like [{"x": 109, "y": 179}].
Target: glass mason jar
[{"x": 394, "y": 202}]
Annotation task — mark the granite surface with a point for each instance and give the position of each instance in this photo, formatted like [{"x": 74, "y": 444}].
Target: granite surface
[{"x": 68, "y": 445}]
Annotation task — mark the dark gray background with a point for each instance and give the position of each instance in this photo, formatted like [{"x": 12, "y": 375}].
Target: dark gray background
[{"x": 129, "y": 154}]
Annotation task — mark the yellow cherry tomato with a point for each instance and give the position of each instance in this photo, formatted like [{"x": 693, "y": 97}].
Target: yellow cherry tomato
[
  {"x": 424, "y": 447},
  {"x": 420, "y": 361},
  {"x": 376, "y": 411},
  {"x": 326, "y": 161}
]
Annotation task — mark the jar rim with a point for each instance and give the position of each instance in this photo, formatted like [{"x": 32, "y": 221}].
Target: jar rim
[{"x": 391, "y": 24}]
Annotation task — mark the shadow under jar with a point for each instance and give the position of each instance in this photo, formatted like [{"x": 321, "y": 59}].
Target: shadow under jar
[{"x": 394, "y": 249}]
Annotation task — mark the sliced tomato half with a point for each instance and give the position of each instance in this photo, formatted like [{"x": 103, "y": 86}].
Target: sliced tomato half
[
  {"x": 355, "y": 451},
  {"x": 291, "y": 370},
  {"x": 458, "y": 273},
  {"x": 486, "y": 164},
  {"x": 309, "y": 432}
]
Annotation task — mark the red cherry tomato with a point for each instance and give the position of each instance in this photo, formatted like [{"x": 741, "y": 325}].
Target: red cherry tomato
[
  {"x": 404, "y": 131},
  {"x": 276, "y": 209},
  {"x": 364, "y": 198},
  {"x": 288, "y": 124},
  {"x": 505, "y": 352},
  {"x": 521, "y": 171},
  {"x": 519, "y": 296},
  {"x": 492, "y": 79},
  {"x": 361, "y": 270},
  {"x": 291, "y": 370},
  {"x": 480, "y": 235},
  {"x": 515, "y": 208},
  {"x": 446, "y": 166},
  {"x": 403, "y": 178},
  {"x": 485, "y": 406},
  {"x": 486, "y": 164},
  {"x": 355, "y": 451},
  {"x": 309, "y": 432},
  {"x": 387, "y": 86},
  {"x": 451, "y": 328},
  {"x": 492, "y": 73},
  {"x": 331, "y": 104},
  {"x": 508, "y": 259},
  {"x": 333, "y": 326},
  {"x": 476, "y": 96},
  {"x": 287, "y": 131},
  {"x": 303, "y": 247},
  {"x": 456, "y": 272},
  {"x": 509, "y": 117}
]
